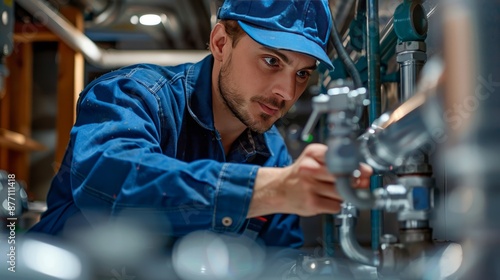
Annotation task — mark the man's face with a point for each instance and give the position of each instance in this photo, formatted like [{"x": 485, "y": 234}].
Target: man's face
[{"x": 259, "y": 85}]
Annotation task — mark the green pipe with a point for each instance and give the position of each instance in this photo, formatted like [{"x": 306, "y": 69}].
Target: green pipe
[
  {"x": 388, "y": 43},
  {"x": 373, "y": 55}
]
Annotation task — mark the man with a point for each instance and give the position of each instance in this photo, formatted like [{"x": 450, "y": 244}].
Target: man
[{"x": 195, "y": 144}]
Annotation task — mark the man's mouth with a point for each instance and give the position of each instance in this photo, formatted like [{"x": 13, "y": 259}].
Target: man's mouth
[{"x": 269, "y": 109}]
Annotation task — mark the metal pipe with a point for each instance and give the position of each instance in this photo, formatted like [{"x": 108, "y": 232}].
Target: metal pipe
[
  {"x": 94, "y": 54},
  {"x": 352, "y": 249},
  {"x": 373, "y": 56},
  {"x": 386, "y": 148},
  {"x": 396, "y": 134},
  {"x": 105, "y": 12},
  {"x": 362, "y": 199},
  {"x": 410, "y": 71},
  {"x": 115, "y": 58}
]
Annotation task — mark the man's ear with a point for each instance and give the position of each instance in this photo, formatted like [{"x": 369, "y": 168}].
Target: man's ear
[{"x": 218, "y": 39}]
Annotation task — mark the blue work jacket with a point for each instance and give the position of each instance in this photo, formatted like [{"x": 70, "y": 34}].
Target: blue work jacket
[{"x": 144, "y": 140}]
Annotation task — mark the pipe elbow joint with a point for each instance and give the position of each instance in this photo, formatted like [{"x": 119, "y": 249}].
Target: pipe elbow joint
[{"x": 352, "y": 249}]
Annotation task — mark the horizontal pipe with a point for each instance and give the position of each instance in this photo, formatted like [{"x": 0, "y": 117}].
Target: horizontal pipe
[
  {"x": 97, "y": 56},
  {"x": 115, "y": 58}
]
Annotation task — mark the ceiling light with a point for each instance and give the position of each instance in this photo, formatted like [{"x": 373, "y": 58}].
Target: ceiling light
[
  {"x": 150, "y": 19},
  {"x": 134, "y": 19}
]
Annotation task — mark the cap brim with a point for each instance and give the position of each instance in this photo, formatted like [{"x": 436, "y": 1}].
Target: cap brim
[{"x": 286, "y": 41}]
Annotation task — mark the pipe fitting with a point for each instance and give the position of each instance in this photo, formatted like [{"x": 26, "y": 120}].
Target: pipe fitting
[{"x": 410, "y": 21}]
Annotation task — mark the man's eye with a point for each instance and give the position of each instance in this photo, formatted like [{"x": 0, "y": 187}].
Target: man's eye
[
  {"x": 272, "y": 61},
  {"x": 303, "y": 74}
]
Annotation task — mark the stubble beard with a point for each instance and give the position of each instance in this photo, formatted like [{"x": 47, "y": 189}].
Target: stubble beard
[{"x": 236, "y": 103}]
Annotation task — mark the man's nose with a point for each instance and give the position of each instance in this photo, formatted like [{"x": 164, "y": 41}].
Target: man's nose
[{"x": 285, "y": 87}]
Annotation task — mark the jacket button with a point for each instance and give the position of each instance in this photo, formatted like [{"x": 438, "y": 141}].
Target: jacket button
[{"x": 227, "y": 221}]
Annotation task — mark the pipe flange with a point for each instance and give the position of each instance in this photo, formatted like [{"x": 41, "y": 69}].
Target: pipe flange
[
  {"x": 411, "y": 46},
  {"x": 409, "y": 56}
]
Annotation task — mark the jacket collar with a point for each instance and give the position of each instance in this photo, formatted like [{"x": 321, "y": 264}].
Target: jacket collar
[{"x": 199, "y": 92}]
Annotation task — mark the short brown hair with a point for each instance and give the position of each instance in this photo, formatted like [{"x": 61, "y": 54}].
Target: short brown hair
[{"x": 233, "y": 29}]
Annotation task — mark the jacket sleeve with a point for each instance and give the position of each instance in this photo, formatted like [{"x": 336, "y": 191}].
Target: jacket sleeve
[
  {"x": 282, "y": 230},
  {"x": 117, "y": 164}
]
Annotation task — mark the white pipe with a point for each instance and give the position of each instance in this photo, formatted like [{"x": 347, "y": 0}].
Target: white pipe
[
  {"x": 100, "y": 57},
  {"x": 115, "y": 58}
]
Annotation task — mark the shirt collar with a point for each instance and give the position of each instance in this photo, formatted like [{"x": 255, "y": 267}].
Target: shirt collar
[{"x": 249, "y": 147}]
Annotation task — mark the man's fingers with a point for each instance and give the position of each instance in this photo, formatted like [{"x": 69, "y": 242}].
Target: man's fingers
[
  {"x": 327, "y": 190},
  {"x": 365, "y": 170},
  {"x": 317, "y": 171},
  {"x": 320, "y": 172},
  {"x": 362, "y": 182},
  {"x": 362, "y": 176},
  {"x": 316, "y": 151},
  {"x": 326, "y": 205}
]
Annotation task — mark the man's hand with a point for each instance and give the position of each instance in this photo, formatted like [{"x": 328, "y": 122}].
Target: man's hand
[{"x": 305, "y": 188}]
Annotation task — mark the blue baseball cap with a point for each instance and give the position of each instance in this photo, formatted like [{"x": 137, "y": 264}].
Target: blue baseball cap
[{"x": 302, "y": 26}]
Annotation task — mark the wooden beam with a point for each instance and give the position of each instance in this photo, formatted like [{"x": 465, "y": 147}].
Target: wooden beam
[
  {"x": 5, "y": 123},
  {"x": 17, "y": 104},
  {"x": 29, "y": 32},
  {"x": 41, "y": 37},
  {"x": 69, "y": 85}
]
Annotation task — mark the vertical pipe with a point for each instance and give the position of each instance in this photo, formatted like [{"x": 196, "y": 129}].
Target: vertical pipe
[
  {"x": 410, "y": 71},
  {"x": 329, "y": 234},
  {"x": 376, "y": 215},
  {"x": 373, "y": 55},
  {"x": 329, "y": 227}
]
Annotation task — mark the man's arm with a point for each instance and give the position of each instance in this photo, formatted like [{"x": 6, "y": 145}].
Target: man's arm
[{"x": 122, "y": 160}]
